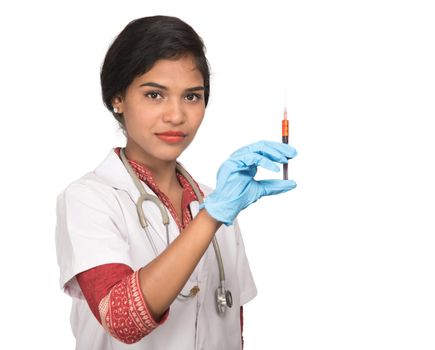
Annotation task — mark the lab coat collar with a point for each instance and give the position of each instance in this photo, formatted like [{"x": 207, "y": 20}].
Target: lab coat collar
[{"x": 113, "y": 172}]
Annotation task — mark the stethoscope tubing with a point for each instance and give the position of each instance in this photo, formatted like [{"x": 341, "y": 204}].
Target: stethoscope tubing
[{"x": 144, "y": 196}]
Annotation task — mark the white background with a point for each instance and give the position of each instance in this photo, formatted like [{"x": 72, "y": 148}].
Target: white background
[{"x": 345, "y": 261}]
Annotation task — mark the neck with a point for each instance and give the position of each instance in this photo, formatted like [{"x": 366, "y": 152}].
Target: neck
[{"x": 163, "y": 171}]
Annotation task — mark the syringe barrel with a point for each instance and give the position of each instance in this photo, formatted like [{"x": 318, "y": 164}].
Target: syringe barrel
[{"x": 285, "y": 128}]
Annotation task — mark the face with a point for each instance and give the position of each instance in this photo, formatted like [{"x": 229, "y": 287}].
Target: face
[{"x": 163, "y": 110}]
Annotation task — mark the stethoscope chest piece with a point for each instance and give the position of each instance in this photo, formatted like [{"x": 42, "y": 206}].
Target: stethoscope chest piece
[{"x": 224, "y": 299}]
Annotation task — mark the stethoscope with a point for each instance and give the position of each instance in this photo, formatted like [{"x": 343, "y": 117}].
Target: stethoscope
[{"x": 224, "y": 298}]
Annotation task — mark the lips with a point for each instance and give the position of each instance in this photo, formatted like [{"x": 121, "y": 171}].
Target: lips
[
  {"x": 171, "y": 136},
  {"x": 172, "y": 133}
]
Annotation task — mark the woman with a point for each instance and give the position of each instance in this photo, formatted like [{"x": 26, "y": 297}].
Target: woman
[{"x": 140, "y": 284}]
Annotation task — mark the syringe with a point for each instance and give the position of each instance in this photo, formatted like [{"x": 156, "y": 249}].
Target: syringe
[{"x": 285, "y": 140}]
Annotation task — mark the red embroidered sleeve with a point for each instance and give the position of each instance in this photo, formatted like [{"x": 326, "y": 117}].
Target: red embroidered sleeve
[
  {"x": 125, "y": 313},
  {"x": 113, "y": 294},
  {"x": 96, "y": 283}
]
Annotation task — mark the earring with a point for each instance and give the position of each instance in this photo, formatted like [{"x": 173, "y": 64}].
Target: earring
[{"x": 115, "y": 110}]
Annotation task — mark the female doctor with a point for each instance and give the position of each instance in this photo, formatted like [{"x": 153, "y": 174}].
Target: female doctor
[{"x": 137, "y": 282}]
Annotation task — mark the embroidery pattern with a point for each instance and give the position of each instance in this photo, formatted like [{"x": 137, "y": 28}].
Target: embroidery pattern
[{"x": 128, "y": 318}]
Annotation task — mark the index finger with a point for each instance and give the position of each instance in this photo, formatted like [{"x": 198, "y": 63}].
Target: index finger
[{"x": 276, "y": 151}]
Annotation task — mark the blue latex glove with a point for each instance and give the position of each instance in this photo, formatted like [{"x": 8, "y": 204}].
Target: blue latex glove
[{"x": 236, "y": 187}]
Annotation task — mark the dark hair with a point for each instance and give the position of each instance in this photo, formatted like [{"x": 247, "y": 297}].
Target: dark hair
[{"x": 137, "y": 48}]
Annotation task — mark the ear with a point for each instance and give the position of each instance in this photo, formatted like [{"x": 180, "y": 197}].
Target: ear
[{"x": 117, "y": 102}]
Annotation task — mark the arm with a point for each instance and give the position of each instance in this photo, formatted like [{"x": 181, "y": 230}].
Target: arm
[
  {"x": 164, "y": 277},
  {"x": 112, "y": 292}
]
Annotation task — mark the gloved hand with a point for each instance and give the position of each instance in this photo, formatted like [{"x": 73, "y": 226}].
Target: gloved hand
[{"x": 236, "y": 187}]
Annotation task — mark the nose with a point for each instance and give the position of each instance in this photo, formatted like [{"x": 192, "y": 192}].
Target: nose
[{"x": 174, "y": 113}]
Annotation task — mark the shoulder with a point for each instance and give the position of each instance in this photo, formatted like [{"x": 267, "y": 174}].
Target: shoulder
[
  {"x": 89, "y": 183},
  {"x": 90, "y": 208},
  {"x": 93, "y": 183},
  {"x": 89, "y": 192}
]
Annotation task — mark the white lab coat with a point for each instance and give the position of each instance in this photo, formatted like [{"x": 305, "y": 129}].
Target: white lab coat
[{"x": 97, "y": 223}]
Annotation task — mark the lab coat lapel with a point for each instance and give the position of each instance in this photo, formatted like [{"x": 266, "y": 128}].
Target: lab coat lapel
[{"x": 114, "y": 173}]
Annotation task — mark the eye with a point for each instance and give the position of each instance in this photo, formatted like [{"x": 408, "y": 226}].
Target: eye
[
  {"x": 154, "y": 95},
  {"x": 193, "y": 97}
]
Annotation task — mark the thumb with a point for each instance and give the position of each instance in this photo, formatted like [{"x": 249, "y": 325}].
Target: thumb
[{"x": 271, "y": 187}]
